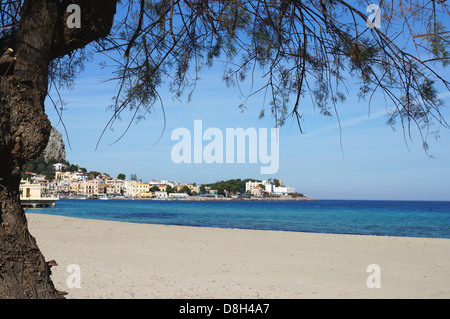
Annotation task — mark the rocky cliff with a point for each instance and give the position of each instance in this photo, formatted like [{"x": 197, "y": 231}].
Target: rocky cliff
[{"x": 55, "y": 148}]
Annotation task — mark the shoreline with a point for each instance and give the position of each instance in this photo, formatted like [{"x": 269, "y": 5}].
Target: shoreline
[
  {"x": 127, "y": 260},
  {"x": 199, "y": 198}
]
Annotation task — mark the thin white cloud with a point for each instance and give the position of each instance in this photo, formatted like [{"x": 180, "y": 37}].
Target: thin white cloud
[
  {"x": 347, "y": 123},
  {"x": 356, "y": 120}
]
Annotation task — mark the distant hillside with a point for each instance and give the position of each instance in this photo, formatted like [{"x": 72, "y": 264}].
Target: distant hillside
[
  {"x": 40, "y": 166},
  {"x": 55, "y": 152},
  {"x": 232, "y": 185}
]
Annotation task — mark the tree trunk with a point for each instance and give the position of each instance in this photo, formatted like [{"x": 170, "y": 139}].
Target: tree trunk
[
  {"x": 23, "y": 270},
  {"x": 25, "y": 129}
]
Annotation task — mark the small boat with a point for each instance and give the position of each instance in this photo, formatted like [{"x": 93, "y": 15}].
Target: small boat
[{"x": 103, "y": 197}]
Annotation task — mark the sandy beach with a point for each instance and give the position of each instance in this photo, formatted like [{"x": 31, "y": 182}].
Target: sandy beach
[{"x": 125, "y": 260}]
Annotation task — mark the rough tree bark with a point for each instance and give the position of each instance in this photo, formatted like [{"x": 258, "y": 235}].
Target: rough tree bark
[{"x": 25, "y": 129}]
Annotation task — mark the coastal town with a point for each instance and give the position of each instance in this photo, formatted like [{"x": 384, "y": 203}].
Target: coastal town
[{"x": 83, "y": 185}]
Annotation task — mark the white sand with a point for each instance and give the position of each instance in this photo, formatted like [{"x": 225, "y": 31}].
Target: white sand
[{"x": 125, "y": 260}]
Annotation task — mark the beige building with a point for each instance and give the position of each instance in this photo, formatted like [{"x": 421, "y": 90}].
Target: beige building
[
  {"x": 75, "y": 187},
  {"x": 90, "y": 187},
  {"x": 62, "y": 188},
  {"x": 31, "y": 195},
  {"x": 29, "y": 191},
  {"x": 142, "y": 190},
  {"x": 63, "y": 176},
  {"x": 162, "y": 188},
  {"x": 146, "y": 195},
  {"x": 114, "y": 186}
]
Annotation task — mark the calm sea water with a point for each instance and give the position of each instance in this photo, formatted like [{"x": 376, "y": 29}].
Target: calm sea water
[{"x": 384, "y": 218}]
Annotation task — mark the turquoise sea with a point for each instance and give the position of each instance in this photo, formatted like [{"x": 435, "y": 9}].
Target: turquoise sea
[{"x": 383, "y": 218}]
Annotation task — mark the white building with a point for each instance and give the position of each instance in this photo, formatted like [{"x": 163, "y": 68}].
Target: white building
[
  {"x": 269, "y": 187},
  {"x": 59, "y": 166},
  {"x": 161, "y": 195},
  {"x": 178, "y": 195},
  {"x": 250, "y": 186},
  {"x": 129, "y": 189},
  {"x": 80, "y": 176},
  {"x": 283, "y": 190}
]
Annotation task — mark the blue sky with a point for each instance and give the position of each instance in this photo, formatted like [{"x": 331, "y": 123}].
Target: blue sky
[
  {"x": 365, "y": 160},
  {"x": 374, "y": 162}
]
